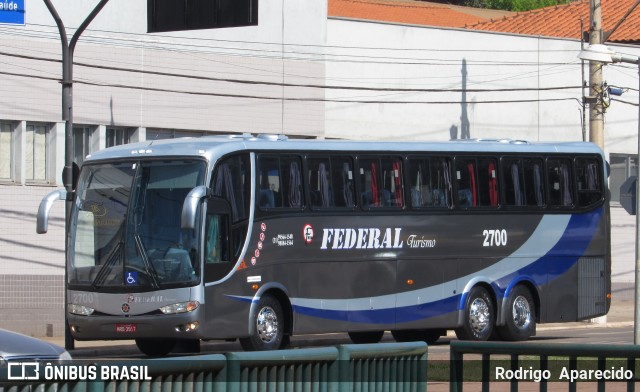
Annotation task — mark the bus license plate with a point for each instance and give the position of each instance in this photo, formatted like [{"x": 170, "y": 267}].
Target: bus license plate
[{"x": 126, "y": 328}]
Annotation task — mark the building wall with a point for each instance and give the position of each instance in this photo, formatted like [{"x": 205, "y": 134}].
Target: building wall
[
  {"x": 445, "y": 67},
  {"x": 31, "y": 265}
]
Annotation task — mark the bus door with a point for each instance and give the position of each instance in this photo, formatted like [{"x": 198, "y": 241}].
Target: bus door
[{"x": 226, "y": 225}]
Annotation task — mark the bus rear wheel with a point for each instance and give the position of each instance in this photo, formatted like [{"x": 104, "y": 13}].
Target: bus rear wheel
[
  {"x": 479, "y": 316},
  {"x": 429, "y": 336},
  {"x": 366, "y": 337},
  {"x": 268, "y": 326},
  {"x": 520, "y": 320},
  {"x": 156, "y": 347}
]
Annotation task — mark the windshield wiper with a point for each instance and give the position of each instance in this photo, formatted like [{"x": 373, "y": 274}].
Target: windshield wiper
[
  {"x": 148, "y": 266},
  {"x": 106, "y": 267}
]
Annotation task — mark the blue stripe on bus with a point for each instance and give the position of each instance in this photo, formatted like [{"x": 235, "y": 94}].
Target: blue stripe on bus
[
  {"x": 557, "y": 261},
  {"x": 564, "y": 254}
]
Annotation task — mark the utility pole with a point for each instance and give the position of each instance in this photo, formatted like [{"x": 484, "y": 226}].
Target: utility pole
[
  {"x": 596, "y": 107},
  {"x": 68, "y": 48}
]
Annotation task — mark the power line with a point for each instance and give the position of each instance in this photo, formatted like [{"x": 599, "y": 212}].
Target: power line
[
  {"x": 346, "y": 47},
  {"x": 281, "y": 84},
  {"x": 325, "y": 56},
  {"x": 245, "y": 96}
]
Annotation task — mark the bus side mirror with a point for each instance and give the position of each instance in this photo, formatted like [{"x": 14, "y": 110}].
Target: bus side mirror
[
  {"x": 190, "y": 206},
  {"x": 219, "y": 206},
  {"x": 42, "y": 220}
]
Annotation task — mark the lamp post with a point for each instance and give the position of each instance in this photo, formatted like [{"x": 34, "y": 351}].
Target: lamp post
[
  {"x": 601, "y": 53},
  {"x": 68, "y": 47}
]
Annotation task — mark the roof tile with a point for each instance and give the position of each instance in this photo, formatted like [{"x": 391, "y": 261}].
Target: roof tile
[
  {"x": 409, "y": 12},
  {"x": 555, "y": 21},
  {"x": 564, "y": 21}
]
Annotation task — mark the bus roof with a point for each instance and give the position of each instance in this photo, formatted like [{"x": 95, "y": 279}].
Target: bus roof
[{"x": 212, "y": 146}]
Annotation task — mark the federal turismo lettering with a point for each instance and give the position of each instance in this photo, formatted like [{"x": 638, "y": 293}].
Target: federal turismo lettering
[{"x": 363, "y": 238}]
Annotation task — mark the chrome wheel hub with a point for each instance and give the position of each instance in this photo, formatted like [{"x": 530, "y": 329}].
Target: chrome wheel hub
[
  {"x": 521, "y": 313},
  {"x": 267, "y": 324},
  {"x": 479, "y": 315}
]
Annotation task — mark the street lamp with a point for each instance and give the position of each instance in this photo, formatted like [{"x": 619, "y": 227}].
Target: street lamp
[{"x": 602, "y": 54}]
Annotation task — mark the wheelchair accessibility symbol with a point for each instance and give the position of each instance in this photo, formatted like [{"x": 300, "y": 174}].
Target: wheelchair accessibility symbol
[{"x": 132, "y": 278}]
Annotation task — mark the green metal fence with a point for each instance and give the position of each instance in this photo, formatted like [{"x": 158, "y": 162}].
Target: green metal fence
[
  {"x": 606, "y": 365},
  {"x": 397, "y": 367}
]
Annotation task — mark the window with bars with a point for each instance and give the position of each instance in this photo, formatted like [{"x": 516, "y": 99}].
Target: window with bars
[
  {"x": 36, "y": 153},
  {"x": 81, "y": 143},
  {"x": 118, "y": 136},
  {"x": 6, "y": 151}
]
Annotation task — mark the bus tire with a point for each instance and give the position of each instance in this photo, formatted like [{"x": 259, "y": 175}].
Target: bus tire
[
  {"x": 366, "y": 337},
  {"x": 156, "y": 347},
  {"x": 479, "y": 316},
  {"x": 429, "y": 336},
  {"x": 268, "y": 326},
  {"x": 520, "y": 317}
]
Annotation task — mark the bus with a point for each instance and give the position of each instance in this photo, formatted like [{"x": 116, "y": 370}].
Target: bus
[{"x": 259, "y": 238}]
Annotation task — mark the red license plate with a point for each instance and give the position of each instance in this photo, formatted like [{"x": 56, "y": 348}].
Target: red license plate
[{"x": 126, "y": 328}]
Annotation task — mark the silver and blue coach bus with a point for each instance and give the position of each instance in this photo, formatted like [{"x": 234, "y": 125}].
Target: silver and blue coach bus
[{"x": 259, "y": 238}]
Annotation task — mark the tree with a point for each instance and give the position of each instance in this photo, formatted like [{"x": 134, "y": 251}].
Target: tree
[{"x": 512, "y": 5}]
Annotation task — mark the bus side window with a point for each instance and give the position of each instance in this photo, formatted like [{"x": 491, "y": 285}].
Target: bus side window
[
  {"x": 381, "y": 182},
  {"x": 269, "y": 182},
  {"x": 477, "y": 182},
  {"x": 523, "y": 182},
  {"x": 588, "y": 181},
  {"x": 430, "y": 182},
  {"x": 560, "y": 183},
  {"x": 466, "y": 178},
  {"x": 216, "y": 249},
  {"x": 280, "y": 182},
  {"x": 514, "y": 182},
  {"x": 342, "y": 181},
  {"x": 533, "y": 183},
  {"x": 320, "y": 182}
]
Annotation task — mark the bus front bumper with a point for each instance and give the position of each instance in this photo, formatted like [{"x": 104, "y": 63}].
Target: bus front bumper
[{"x": 178, "y": 326}]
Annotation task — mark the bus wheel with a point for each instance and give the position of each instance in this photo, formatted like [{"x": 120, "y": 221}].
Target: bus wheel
[
  {"x": 479, "y": 316},
  {"x": 366, "y": 337},
  {"x": 268, "y": 326},
  {"x": 156, "y": 347},
  {"x": 520, "y": 319},
  {"x": 429, "y": 336}
]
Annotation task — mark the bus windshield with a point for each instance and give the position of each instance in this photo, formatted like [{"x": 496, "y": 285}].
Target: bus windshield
[{"x": 126, "y": 232}]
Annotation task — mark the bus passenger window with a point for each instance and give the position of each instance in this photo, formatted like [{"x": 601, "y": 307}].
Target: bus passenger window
[
  {"x": 320, "y": 182},
  {"x": 514, "y": 182},
  {"x": 269, "y": 182},
  {"x": 330, "y": 182},
  {"x": 559, "y": 181},
  {"x": 280, "y": 182},
  {"x": 533, "y": 184},
  {"x": 477, "y": 182},
  {"x": 342, "y": 181},
  {"x": 523, "y": 182},
  {"x": 588, "y": 181},
  {"x": 430, "y": 182},
  {"x": 381, "y": 183}
]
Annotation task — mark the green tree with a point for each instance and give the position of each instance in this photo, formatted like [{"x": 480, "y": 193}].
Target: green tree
[{"x": 513, "y": 5}]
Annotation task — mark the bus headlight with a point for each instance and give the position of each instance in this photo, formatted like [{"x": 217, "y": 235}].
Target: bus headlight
[
  {"x": 182, "y": 307},
  {"x": 80, "y": 309}
]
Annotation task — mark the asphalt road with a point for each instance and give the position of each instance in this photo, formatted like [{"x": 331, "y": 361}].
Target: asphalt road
[{"x": 440, "y": 350}]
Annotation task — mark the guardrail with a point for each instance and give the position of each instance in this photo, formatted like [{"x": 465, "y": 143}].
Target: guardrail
[
  {"x": 368, "y": 367},
  {"x": 544, "y": 363}
]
